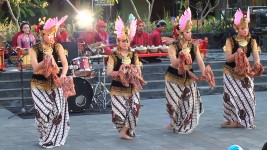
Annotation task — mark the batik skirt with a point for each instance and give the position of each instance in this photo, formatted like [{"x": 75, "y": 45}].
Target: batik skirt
[
  {"x": 125, "y": 112},
  {"x": 52, "y": 116},
  {"x": 184, "y": 106},
  {"x": 239, "y": 100}
]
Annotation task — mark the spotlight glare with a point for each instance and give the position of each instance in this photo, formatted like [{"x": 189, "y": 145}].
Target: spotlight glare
[{"x": 84, "y": 19}]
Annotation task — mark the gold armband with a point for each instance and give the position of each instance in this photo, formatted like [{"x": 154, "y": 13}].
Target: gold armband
[
  {"x": 110, "y": 65},
  {"x": 258, "y": 49},
  {"x": 226, "y": 49},
  {"x": 172, "y": 55}
]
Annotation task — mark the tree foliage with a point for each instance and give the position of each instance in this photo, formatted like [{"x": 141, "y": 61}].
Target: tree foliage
[
  {"x": 112, "y": 1},
  {"x": 22, "y": 9}
]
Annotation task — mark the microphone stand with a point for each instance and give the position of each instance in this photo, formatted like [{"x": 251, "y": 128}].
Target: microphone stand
[
  {"x": 10, "y": 52},
  {"x": 23, "y": 110}
]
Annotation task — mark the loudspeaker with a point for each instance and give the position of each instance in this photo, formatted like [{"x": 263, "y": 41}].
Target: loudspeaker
[{"x": 72, "y": 48}]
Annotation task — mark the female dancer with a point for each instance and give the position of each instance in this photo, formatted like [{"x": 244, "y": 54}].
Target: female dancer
[
  {"x": 183, "y": 99},
  {"x": 239, "y": 97},
  {"x": 124, "y": 68},
  {"x": 52, "y": 117}
]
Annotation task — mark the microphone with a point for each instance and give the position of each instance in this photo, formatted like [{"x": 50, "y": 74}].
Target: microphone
[{"x": 29, "y": 38}]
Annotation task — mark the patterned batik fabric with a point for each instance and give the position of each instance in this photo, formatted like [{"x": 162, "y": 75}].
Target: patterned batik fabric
[
  {"x": 184, "y": 106},
  {"x": 52, "y": 116},
  {"x": 239, "y": 100},
  {"x": 125, "y": 112}
]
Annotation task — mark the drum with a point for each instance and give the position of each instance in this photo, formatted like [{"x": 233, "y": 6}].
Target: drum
[
  {"x": 84, "y": 95},
  {"x": 26, "y": 59},
  {"x": 84, "y": 67}
]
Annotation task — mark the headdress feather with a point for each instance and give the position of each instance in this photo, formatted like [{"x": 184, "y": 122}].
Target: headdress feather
[
  {"x": 241, "y": 18},
  {"x": 125, "y": 31},
  {"x": 132, "y": 28},
  {"x": 238, "y": 16},
  {"x": 54, "y": 22},
  {"x": 183, "y": 22},
  {"x": 119, "y": 25},
  {"x": 248, "y": 15}
]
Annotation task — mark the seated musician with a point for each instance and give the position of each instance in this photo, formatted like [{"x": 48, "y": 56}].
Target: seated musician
[
  {"x": 155, "y": 37},
  {"x": 141, "y": 37},
  {"x": 62, "y": 34},
  {"x": 102, "y": 36},
  {"x": 88, "y": 37},
  {"x": 25, "y": 41}
]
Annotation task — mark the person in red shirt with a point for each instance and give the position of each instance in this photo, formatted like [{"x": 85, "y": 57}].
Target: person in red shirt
[
  {"x": 62, "y": 34},
  {"x": 102, "y": 36},
  {"x": 155, "y": 37},
  {"x": 88, "y": 38},
  {"x": 141, "y": 37}
]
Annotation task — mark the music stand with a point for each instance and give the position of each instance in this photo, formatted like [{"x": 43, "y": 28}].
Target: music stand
[{"x": 23, "y": 110}]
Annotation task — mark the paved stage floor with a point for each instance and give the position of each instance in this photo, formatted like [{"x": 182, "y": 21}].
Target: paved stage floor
[{"x": 96, "y": 132}]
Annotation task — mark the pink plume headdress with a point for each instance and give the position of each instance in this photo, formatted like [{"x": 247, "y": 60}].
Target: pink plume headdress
[
  {"x": 241, "y": 19},
  {"x": 51, "y": 25},
  {"x": 125, "y": 32},
  {"x": 185, "y": 21}
]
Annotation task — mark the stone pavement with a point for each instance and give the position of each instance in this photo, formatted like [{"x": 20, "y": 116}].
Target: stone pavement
[{"x": 96, "y": 132}]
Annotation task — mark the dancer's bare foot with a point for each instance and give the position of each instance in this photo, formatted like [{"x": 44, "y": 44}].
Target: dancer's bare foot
[
  {"x": 125, "y": 136},
  {"x": 235, "y": 125},
  {"x": 229, "y": 124},
  {"x": 225, "y": 124},
  {"x": 169, "y": 127}
]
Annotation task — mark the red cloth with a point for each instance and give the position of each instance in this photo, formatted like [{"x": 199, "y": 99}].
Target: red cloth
[
  {"x": 15, "y": 38},
  {"x": 88, "y": 37},
  {"x": 155, "y": 38},
  {"x": 62, "y": 37},
  {"x": 140, "y": 39}
]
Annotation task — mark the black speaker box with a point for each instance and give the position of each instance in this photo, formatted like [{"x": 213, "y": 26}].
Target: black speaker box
[{"x": 72, "y": 48}]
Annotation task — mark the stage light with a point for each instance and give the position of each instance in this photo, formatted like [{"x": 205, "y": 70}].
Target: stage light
[{"x": 85, "y": 19}]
